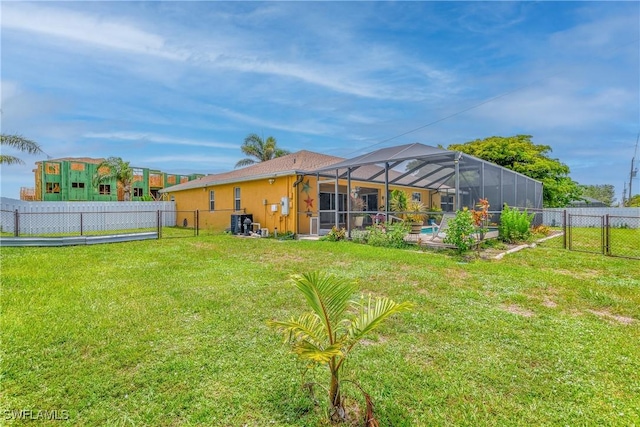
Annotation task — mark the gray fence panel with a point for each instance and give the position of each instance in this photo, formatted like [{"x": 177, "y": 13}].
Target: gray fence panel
[
  {"x": 621, "y": 217},
  {"x": 64, "y": 217}
]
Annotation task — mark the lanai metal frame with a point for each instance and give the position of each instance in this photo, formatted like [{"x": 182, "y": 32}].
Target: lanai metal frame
[{"x": 422, "y": 166}]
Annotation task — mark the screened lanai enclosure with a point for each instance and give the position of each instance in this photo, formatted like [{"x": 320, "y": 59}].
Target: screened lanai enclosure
[{"x": 439, "y": 178}]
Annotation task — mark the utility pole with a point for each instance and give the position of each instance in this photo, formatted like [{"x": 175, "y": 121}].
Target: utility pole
[
  {"x": 631, "y": 175},
  {"x": 634, "y": 170}
]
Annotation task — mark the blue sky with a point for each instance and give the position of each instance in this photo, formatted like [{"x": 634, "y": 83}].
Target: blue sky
[{"x": 177, "y": 86}]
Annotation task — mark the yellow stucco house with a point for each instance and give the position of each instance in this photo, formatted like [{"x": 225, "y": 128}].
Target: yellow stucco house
[{"x": 285, "y": 194}]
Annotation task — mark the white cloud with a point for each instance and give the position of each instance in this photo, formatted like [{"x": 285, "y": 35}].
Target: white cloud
[
  {"x": 601, "y": 32},
  {"x": 491, "y": 17},
  {"x": 215, "y": 50},
  {"x": 560, "y": 104},
  {"x": 8, "y": 90},
  {"x": 309, "y": 127},
  {"x": 158, "y": 139},
  {"x": 84, "y": 28}
]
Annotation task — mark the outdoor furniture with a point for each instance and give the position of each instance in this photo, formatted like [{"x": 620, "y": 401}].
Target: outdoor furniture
[
  {"x": 383, "y": 217},
  {"x": 440, "y": 231}
]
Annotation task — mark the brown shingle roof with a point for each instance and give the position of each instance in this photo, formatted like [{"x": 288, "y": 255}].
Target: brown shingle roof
[{"x": 298, "y": 162}]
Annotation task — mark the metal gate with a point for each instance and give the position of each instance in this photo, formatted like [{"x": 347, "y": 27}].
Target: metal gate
[{"x": 605, "y": 234}]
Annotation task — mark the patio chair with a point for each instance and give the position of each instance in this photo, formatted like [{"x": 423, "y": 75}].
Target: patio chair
[
  {"x": 441, "y": 229},
  {"x": 383, "y": 217}
]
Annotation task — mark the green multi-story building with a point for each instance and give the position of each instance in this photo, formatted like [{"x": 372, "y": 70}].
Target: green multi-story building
[{"x": 71, "y": 179}]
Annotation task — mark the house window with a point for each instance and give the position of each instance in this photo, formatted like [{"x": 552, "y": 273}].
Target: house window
[
  {"x": 212, "y": 200},
  {"x": 104, "y": 189},
  {"x": 77, "y": 185},
  {"x": 53, "y": 187},
  {"x": 137, "y": 192},
  {"x": 446, "y": 203},
  {"x": 236, "y": 192},
  {"x": 416, "y": 196}
]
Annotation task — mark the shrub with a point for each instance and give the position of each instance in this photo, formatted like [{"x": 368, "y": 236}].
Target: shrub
[
  {"x": 481, "y": 218},
  {"x": 515, "y": 226},
  {"x": 336, "y": 234},
  {"x": 461, "y": 231},
  {"x": 388, "y": 235},
  {"x": 398, "y": 202},
  {"x": 542, "y": 230},
  {"x": 359, "y": 236},
  {"x": 287, "y": 235},
  {"x": 416, "y": 211}
]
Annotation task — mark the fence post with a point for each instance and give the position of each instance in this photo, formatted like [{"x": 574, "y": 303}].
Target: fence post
[
  {"x": 564, "y": 229},
  {"x": 603, "y": 242},
  {"x": 607, "y": 235},
  {"x": 159, "y": 223},
  {"x": 81, "y": 223},
  {"x": 16, "y": 224},
  {"x": 197, "y": 222}
]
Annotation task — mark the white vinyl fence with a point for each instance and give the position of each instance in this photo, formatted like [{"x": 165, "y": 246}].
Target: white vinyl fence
[
  {"x": 583, "y": 217},
  {"x": 36, "y": 218}
]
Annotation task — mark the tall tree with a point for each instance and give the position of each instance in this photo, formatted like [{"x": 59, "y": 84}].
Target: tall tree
[
  {"x": 261, "y": 150},
  {"x": 520, "y": 154},
  {"x": 21, "y": 144},
  {"x": 115, "y": 168},
  {"x": 634, "y": 201},
  {"x": 604, "y": 193}
]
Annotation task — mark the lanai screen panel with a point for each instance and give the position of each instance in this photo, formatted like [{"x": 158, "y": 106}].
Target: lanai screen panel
[
  {"x": 492, "y": 186},
  {"x": 483, "y": 180}
]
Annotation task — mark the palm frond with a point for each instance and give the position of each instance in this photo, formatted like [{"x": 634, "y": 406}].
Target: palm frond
[
  {"x": 259, "y": 150},
  {"x": 117, "y": 169},
  {"x": 372, "y": 313},
  {"x": 308, "y": 351},
  {"x": 308, "y": 338},
  {"x": 327, "y": 296},
  {"x": 306, "y": 327},
  {"x": 10, "y": 160},
  {"x": 20, "y": 143},
  {"x": 245, "y": 162},
  {"x": 279, "y": 152}
]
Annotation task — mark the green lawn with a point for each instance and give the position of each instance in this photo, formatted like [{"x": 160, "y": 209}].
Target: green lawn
[
  {"x": 173, "y": 332},
  {"x": 623, "y": 242}
]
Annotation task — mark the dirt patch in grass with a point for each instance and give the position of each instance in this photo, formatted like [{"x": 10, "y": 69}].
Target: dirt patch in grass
[
  {"x": 516, "y": 309},
  {"x": 456, "y": 275},
  {"x": 491, "y": 253},
  {"x": 204, "y": 245},
  {"x": 614, "y": 317},
  {"x": 582, "y": 274},
  {"x": 549, "y": 304},
  {"x": 281, "y": 258},
  {"x": 367, "y": 342}
]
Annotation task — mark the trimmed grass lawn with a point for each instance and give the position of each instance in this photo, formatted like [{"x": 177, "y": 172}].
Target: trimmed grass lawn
[
  {"x": 173, "y": 332},
  {"x": 622, "y": 241}
]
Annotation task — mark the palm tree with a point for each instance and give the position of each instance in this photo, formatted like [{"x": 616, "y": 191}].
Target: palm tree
[
  {"x": 118, "y": 169},
  {"x": 19, "y": 143},
  {"x": 327, "y": 335},
  {"x": 260, "y": 149}
]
